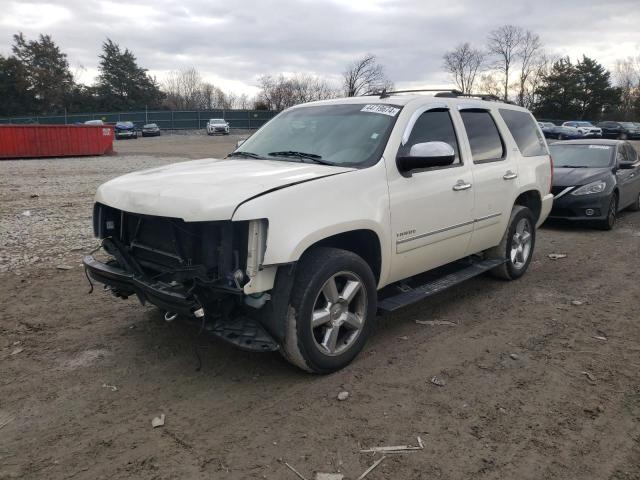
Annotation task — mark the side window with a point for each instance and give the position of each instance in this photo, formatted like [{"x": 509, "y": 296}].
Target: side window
[
  {"x": 484, "y": 138},
  {"x": 632, "y": 154},
  {"x": 433, "y": 126},
  {"x": 522, "y": 128},
  {"x": 621, "y": 155}
]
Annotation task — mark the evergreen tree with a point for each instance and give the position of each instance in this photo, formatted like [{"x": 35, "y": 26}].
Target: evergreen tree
[
  {"x": 122, "y": 84},
  {"x": 14, "y": 87},
  {"x": 595, "y": 93},
  {"x": 47, "y": 72},
  {"x": 558, "y": 93}
]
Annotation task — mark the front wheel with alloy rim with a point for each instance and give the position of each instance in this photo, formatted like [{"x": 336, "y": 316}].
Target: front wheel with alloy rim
[
  {"x": 612, "y": 212},
  {"x": 516, "y": 247},
  {"x": 331, "y": 310}
]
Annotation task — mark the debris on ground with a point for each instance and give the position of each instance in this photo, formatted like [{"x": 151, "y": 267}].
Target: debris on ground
[
  {"x": 300, "y": 476},
  {"x": 589, "y": 375},
  {"x": 26, "y": 213},
  {"x": 436, "y": 322},
  {"x": 576, "y": 303},
  {"x": 396, "y": 448},
  {"x": 34, "y": 195},
  {"x": 16, "y": 351},
  {"x": 158, "y": 421},
  {"x": 600, "y": 335},
  {"x": 404, "y": 337},
  {"x": 438, "y": 381},
  {"x": 371, "y": 468},
  {"x": 64, "y": 267},
  {"x": 113, "y": 388},
  {"x": 514, "y": 356},
  {"x": 557, "y": 256},
  {"x": 342, "y": 396},
  {"x": 329, "y": 476}
]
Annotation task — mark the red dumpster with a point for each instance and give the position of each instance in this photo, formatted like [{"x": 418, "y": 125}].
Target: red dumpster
[{"x": 31, "y": 141}]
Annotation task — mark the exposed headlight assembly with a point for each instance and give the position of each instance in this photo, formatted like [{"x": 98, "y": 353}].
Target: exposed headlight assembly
[{"x": 594, "y": 187}]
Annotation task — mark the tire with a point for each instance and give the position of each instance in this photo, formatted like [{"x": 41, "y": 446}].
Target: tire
[
  {"x": 518, "y": 256},
  {"x": 623, "y": 136},
  {"x": 612, "y": 213},
  {"x": 635, "y": 206},
  {"x": 344, "y": 316}
]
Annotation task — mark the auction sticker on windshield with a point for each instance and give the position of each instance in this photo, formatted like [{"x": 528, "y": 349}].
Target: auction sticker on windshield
[
  {"x": 600, "y": 147},
  {"x": 383, "y": 109}
]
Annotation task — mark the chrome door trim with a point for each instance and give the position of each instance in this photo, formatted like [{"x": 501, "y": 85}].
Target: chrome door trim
[{"x": 446, "y": 229}]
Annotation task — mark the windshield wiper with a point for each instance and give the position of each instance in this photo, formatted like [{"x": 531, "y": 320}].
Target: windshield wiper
[
  {"x": 306, "y": 156},
  {"x": 240, "y": 153}
]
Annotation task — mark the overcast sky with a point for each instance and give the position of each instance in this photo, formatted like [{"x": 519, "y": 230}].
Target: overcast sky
[{"x": 232, "y": 42}]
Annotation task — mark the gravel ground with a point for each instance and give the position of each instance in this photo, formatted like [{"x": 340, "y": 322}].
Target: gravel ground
[{"x": 541, "y": 376}]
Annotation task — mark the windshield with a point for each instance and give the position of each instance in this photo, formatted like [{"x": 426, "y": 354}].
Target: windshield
[
  {"x": 584, "y": 124},
  {"x": 585, "y": 156},
  {"x": 216, "y": 120},
  {"x": 626, "y": 124},
  {"x": 346, "y": 135}
]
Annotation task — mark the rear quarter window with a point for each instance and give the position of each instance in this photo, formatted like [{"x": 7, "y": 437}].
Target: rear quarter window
[{"x": 523, "y": 129}]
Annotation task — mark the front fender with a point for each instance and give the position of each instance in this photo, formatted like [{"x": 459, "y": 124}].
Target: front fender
[{"x": 301, "y": 215}]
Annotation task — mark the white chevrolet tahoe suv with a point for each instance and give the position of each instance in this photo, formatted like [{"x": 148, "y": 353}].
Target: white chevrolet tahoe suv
[{"x": 331, "y": 212}]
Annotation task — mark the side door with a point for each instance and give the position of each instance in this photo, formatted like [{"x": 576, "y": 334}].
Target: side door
[
  {"x": 431, "y": 209},
  {"x": 495, "y": 178},
  {"x": 628, "y": 178}
]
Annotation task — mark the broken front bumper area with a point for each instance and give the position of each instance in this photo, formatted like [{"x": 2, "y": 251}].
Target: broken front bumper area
[{"x": 243, "y": 331}]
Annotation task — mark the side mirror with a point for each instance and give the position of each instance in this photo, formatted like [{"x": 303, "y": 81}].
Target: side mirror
[
  {"x": 426, "y": 155},
  {"x": 240, "y": 142},
  {"x": 627, "y": 165}
]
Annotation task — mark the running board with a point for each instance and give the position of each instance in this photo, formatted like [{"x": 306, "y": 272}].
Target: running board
[{"x": 410, "y": 295}]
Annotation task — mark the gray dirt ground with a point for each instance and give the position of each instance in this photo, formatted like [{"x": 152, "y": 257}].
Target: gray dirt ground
[{"x": 530, "y": 392}]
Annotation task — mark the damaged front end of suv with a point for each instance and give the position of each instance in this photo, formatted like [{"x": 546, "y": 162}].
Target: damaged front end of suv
[{"x": 199, "y": 270}]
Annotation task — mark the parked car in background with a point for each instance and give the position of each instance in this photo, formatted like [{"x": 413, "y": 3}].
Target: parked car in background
[
  {"x": 289, "y": 242},
  {"x": 150, "y": 130},
  {"x": 94, "y": 122},
  {"x": 620, "y": 130},
  {"x": 586, "y": 128},
  {"x": 551, "y": 130},
  {"x": 594, "y": 179},
  {"x": 217, "y": 125},
  {"x": 125, "y": 130}
]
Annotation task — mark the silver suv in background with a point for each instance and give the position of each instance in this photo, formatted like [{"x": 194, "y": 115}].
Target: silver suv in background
[
  {"x": 217, "y": 125},
  {"x": 586, "y": 128}
]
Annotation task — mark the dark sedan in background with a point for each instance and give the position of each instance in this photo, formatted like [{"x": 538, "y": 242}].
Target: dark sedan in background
[
  {"x": 551, "y": 130},
  {"x": 594, "y": 179},
  {"x": 150, "y": 130},
  {"x": 125, "y": 130},
  {"x": 621, "y": 130}
]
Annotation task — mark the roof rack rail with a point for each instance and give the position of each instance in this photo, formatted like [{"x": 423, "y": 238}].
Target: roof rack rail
[
  {"x": 443, "y": 93},
  {"x": 385, "y": 94}
]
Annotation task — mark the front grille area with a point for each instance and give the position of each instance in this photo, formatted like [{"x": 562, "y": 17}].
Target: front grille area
[{"x": 172, "y": 249}]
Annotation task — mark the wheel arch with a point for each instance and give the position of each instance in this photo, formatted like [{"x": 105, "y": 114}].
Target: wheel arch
[{"x": 532, "y": 200}]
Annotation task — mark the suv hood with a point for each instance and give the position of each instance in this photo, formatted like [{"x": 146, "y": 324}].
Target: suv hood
[
  {"x": 569, "y": 177},
  {"x": 205, "y": 190}
]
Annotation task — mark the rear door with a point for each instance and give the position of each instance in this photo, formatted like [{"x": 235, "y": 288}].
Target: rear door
[{"x": 495, "y": 178}]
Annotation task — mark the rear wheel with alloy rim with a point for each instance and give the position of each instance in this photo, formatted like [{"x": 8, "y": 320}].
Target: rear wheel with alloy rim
[
  {"x": 331, "y": 310},
  {"x": 612, "y": 212},
  {"x": 517, "y": 245}
]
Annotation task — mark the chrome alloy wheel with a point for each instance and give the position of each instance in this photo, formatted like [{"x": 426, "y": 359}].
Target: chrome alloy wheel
[
  {"x": 339, "y": 312},
  {"x": 521, "y": 243}
]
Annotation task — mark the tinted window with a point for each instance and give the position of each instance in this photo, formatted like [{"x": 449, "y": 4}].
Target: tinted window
[
  {"x": 485, "y": 141},
  {"x": 433, "y": 126},
  {"x": 632, "y": 155},
  {"x": 521, "y": 125}
]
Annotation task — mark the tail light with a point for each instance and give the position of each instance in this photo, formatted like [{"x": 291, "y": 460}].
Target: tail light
[{"x": 551, "y": 165}]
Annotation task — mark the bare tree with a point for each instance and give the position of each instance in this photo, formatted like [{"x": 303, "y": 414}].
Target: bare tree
[
  {"x": 530, "y": 54},
  {"x": 463, "y": 64},
  {"x": 281, "y": 92},
  {"x": 489, "y": 84},
  {"x": 627, "y": 77},
  {"x": 505, "y": 43},
  {"x": 365, "y": 75}
]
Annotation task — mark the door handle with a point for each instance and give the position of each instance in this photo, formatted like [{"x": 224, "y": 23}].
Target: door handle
[
  {"x": 510, "y": 175},
  {"x": 461, "y": 185}
]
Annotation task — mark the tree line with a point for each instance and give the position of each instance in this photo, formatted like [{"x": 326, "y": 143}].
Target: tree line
[{"x": 513, "y": 65}]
